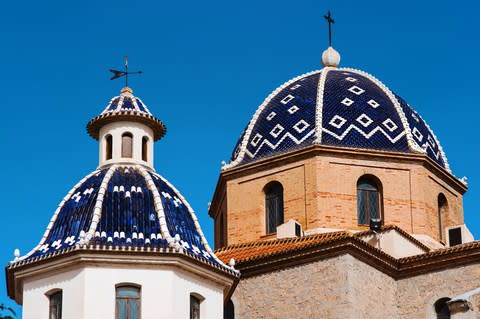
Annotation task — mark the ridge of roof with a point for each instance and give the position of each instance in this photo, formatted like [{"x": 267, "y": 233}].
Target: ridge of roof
[{"x": 263, "y": 256}]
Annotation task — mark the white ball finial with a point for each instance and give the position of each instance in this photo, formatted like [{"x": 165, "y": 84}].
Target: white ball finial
[
  {"x": 231, "y": 263},
  {"x": 16, "y": 253},
  {"x": 330, "y": 57}
]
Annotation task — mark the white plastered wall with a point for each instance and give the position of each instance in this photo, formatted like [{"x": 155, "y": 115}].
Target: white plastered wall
[
  {"x": 117, "y": 129},
  {"x": 90, "y": 293}
]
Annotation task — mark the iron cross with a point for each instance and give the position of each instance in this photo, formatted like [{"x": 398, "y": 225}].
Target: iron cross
[
  {"x": 330, "y": 21},
  {"x": 118, "y": 74}
]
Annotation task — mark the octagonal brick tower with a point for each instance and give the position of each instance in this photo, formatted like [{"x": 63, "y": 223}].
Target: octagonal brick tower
[
  {"x": 123, "y": 225},
  {"x": 318, "y": 139}
]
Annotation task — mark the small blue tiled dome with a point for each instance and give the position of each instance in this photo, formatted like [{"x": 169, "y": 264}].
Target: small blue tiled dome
[
  {"x": 125, "y": 206},
  {"x": 335, "y": 107},
  {"x": 126, "y": 107}
]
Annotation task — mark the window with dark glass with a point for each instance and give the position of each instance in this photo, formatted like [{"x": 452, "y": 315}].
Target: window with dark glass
[
  {"x": 55, "y": 311},
  {"x": 273, "y": 206},
  {"x": 194, "y": 307},
  {"x": 127, "y": 145},
  {"x": 229, "y": 310},
  {"x": 441, "y": 308},
  {"x": 108, "y": 147},
  {"x": 369, "y": 200},
  {"x": 442, "y": 208},
  {"x": 144, "y": 148},
  {"x": 127, "y": 302}
]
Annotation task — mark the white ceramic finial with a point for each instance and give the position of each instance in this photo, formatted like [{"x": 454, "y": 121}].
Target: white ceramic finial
[
  {"x": 231, "y": 263},
  {"x": 330, "y": 57},
  {"x": 16, "y": 253}
]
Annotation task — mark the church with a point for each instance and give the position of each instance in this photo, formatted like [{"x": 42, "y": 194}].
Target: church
[{"x": 338, "y": 202}]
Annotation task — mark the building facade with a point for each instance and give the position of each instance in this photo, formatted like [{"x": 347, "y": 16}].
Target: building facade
[{"x": 352, "y": 210}]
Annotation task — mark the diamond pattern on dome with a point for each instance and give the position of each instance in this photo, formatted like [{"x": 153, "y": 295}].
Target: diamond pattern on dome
[
  {"x": 355, "y": 111},
  {"x": 287, "y": 121},
  {"x": 347, "y": 102},
  {"x": 423, "y": 135},
  {"x": 362, "y": 125}
]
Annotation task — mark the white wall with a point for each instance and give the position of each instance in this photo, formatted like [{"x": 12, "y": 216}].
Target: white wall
[
  {"x": 36, "y": 302},
  {"x": 90, "y": 293},
  {"x": 117, "y": 129}
]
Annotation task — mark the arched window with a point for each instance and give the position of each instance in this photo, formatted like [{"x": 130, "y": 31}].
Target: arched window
[
  {"x": 127, "y": 302},
  {"x": 441, "y": 308},
  {"x": 55, "y": 307},
  {"x": 442, "y": 208},
  {"x": 229, "y": 310},
  {"x": 127, "y": 145},
  {"x": 273, "y": 206},
  {"x": 369, "y": 199},
  {"x": 144, "y": 148},
  {"x": 108, "y": 147},
  {"x": 195, "y": 300}
]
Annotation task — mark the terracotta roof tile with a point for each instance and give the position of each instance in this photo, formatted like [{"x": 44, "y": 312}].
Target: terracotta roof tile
[
  {"x": 441, "y": 252},
  {"x": 263, "y": 248}
]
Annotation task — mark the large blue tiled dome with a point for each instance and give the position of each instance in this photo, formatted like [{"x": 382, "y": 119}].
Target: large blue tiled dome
[{"x": 335, "y": 107}]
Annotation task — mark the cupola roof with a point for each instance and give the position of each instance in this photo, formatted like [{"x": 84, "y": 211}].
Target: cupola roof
[
  {"x": 124, "y": 206},
  {"x": 126, "y": 107}
]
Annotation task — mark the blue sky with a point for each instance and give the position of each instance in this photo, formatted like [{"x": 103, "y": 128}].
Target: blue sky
[{"x": 207, "y": 66}]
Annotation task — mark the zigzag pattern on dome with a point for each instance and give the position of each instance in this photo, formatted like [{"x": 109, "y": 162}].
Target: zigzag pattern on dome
[
  {"x": 338, "y": 107},
  {"x": 124, "y": 206}
]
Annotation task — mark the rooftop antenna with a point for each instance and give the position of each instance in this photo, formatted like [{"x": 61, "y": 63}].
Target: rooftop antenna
[
  {"x": 118, "y": 74},
  {"x": 330, "y": 21}
]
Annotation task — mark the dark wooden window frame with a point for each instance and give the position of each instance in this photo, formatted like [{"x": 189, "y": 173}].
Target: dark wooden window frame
[
  {"x": 274, "y": 206},
  {"x": 145, "y": 149},
  {"x": 108, "y": 147},
  {"x": 375, "y": 190},
  {"x": 195, "y": 305},
  {"x": 55, "y": 304}
]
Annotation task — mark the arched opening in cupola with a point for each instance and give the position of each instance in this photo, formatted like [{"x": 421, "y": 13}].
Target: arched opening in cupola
[
  {"x": 127, "y": 145},
  {"x": 145, "y": 148},
  {"x": 108, "y": 147}
]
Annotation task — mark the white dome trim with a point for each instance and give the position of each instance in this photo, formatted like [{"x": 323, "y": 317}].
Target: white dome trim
[
  {"x": 55, "y": 215},
  {"x": 253, "y": 121}
]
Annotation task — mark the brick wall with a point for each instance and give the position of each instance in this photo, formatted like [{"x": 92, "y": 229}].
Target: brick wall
[{"x": 321, "y": 192}]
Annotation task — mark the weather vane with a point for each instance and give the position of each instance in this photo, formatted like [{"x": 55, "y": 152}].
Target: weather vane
[
  {"x": 118, "y": 74},
  {"x": 330, "y": 21}
]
